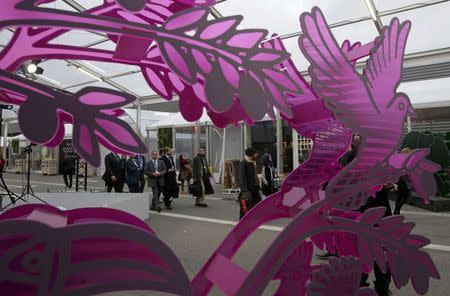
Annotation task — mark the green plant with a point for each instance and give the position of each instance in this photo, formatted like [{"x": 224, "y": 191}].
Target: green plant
[
  {"x": 164, "y": 137},
  {"x": 439, "y": 154}
]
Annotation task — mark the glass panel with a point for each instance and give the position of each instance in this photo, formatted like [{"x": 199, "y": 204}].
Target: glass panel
[
  {"x": 215, "y": 150},
  {"x": 428, "y": 91},
  {"x": 136, "y": 83},
  {"x": 76, "y": 38},
  {"x": 383, "y": 5},
  {"x": 5, "y": 37},
  {"x": 99, "y": 84},
  {"x": 263, "y": 139},
  {"x": 184, "y": 142},
  {"x": 58, "y": 4},
  {"x": 429, "y": 27},
  {"x": 109, "y": 69},
  {"x": 57, "y": 70}
]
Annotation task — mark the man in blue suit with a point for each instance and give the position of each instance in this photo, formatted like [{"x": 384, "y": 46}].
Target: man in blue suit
[
  {"x": 141, "y": 162},
  {"x": 132, "y": 174}
]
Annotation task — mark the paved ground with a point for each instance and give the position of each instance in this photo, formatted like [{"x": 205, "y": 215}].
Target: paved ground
[{"x": 193, "y": 233}]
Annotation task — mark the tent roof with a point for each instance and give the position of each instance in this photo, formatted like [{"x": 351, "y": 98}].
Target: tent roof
[{"x": 351, "y": 17}]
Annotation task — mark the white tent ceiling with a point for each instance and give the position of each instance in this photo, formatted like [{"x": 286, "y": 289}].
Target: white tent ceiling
[{"x": 351, "y": 18}]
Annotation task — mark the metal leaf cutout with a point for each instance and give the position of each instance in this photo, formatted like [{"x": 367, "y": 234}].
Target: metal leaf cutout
[{"x": 226, "y": 59}]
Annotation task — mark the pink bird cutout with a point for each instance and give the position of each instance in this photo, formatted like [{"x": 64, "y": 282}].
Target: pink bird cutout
[{"x": 367, "y": 104}]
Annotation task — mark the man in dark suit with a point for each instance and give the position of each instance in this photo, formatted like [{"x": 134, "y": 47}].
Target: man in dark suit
[
  {"x": 68, "y": 170},
  {"x": 132, "y": 174},
  {"x": 155, "y": 171},
  {"x": 114, "y": 173},
  {"x": 141, "y": 162},
  {"x": 171, "y": 189}
]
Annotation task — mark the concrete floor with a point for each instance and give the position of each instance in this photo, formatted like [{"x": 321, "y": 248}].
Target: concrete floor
[{"x": 193, "y": 233}]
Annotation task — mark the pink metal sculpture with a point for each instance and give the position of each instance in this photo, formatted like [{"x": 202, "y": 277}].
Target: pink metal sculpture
[{"x": 210, "y": 64}]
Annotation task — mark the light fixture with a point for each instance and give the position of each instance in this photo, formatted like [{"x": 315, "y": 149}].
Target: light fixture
[
  {"x": 89, "y": 74},
  {"x": 32, "y": 67}
]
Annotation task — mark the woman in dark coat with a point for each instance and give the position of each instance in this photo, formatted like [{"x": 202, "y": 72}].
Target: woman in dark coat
[
  {"x": 268, "y": 175},
  {"x": 185, "y": 174}
]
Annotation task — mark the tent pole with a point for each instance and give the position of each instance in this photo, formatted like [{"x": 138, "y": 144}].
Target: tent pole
[
  {"x": 5, "y": 138},
  {"x": 138, "y": 117},
  {"x": 295, "y": 149},
  {"x": 222, "y": 164},
  {"x": 279, "y": 130}
]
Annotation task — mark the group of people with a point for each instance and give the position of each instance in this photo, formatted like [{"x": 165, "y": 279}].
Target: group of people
[
  {"x": 402, "y": 192},
  {"x": 251, "y": 190},
  {"x": 161, "y": 172},
  {"x": 122, "y": 169},
  {"x": 249, "y": 184}
]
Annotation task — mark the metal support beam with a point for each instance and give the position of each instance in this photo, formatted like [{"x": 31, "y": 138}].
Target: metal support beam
[
  {"x": 174, "y": 137},
  {"x": 81, "y": 175},
  {"x": 196, "y": 137},
  {"x": 138, "y": 118},
  {"x": 222, "y": 164},
  {"x": 279, "y": 127},
  {"x": 375, "y": 16},
  {"x": 294, "y": 149}
]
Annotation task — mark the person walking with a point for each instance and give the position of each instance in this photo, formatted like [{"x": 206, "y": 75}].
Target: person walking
[
  {"x": 248, "y": 182},
  {"x": 267, "y": 175},
  {"x": 200, "y": 176},
  {"x": 132, "y": 171},
  {"x": 403, "y": 189},
  {"x": 141, "y": 162},
  {"x": 382, "y": 280},
  {"x": 114, "y": 173},
  {"x": 155, "y": 170},
  {"x": 68, "y": 170},
  {"x": 185, "y": 174},
  {"x": 171, "y": 189}
]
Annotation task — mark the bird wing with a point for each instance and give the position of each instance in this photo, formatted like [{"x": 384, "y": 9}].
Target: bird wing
[
  {"x": 333, "y": 77},
  {"x": 384, "y": 67},
  {"x": 330, "y": 142}
]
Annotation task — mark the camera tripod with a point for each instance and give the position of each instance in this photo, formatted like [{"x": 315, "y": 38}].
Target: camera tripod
[
  {"x": 12, "y": 196},
  {"x": 28, "y": 190}
]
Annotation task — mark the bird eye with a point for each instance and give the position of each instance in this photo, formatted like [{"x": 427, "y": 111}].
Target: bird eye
[{"x": 401, "y": 106}]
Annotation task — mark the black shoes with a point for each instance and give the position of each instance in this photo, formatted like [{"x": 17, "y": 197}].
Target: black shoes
[
  {"x": 158, "y": 209},
  {"x": 168, "y": 208},
  {"x": 201, "y": 205}
]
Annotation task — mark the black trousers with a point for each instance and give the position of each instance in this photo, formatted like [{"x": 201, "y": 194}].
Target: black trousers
[
  {"x": 382, "y": 281},
  {"x": 68, "y": 178},
  {"x": 141, "y": 183},
  {"x": 118, "y": 187},
  {"x": 134, "y": 188}
]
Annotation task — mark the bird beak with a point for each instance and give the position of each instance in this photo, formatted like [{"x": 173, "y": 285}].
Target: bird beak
[{"x": 411, "y": 112}]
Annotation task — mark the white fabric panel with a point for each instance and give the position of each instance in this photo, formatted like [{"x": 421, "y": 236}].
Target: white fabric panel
[
  {"x": 136, "y": 83},
  {"x": 429, "y": 27},
  {"x": 282, "y": 16}
]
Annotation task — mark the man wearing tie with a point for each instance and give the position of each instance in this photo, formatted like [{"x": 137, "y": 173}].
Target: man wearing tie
[
  {"x": 171, "y": 189},
  {"x": 155, "y": 170}
]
